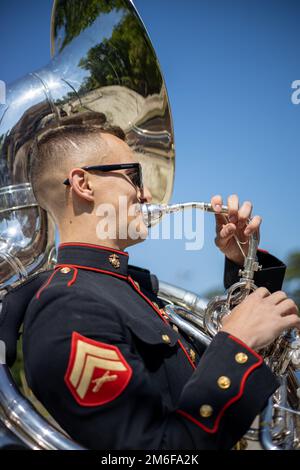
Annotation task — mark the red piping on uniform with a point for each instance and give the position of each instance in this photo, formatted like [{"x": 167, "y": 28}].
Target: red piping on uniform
[
  {"x": 45, "y": 284},
  {"x": 185, "y": 352},
  {"x": 232, "y": 400},
  {"x": 93, "y": 246},
  {"x": 245, "y": 346},
  {"x": 263, "y": 251},
  {"x": 92, "y": 269},
  {"x": 73, "y": 278},
  {"x": 159, "y": 313}
]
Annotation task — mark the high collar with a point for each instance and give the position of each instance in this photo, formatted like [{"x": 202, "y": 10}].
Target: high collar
[{"x": 94, "y": 257}]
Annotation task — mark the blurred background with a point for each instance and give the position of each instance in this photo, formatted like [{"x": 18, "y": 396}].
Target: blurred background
[{"x": 229, "y": 66}]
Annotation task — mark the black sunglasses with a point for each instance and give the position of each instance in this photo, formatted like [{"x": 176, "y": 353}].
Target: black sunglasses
[{"x": 135, "y": 177}]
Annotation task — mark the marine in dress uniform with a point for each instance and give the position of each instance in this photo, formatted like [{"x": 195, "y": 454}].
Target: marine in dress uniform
[{"x": 101, "y": 356}]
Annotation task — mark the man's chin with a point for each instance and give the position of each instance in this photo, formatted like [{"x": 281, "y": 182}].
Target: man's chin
[
  {"x": 139, "y": 236},
  {"x": 131, "y": 242}
]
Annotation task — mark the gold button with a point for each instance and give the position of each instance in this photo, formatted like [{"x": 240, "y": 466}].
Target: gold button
[
  {"x": 241, "y": 358},
  {"x": 65, "y": 270},
  {"x": 155, "y": 304},
  {"x": 166, "y": 339},
  {"x": 224, "y": 382},
  {"x": 137, "y": 284},
  {"x": 192, "y": 355},
  {"x": 206, "y": 411}
]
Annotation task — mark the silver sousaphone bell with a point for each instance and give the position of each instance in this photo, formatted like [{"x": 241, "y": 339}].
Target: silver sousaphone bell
[{"x": 102, "y": 71}]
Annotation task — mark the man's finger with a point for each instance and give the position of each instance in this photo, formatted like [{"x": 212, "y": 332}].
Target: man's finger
[
  {"x": 216, "y": 202},
  {"x": 261, "y": 292},
  {"x": 253, "y": 226},
  {"x": 277, "y": 297},
  {"x": 227, "y": 231},
  {"x": 233, "y": 207},
  {"x": 221, "y": 219},
  {"x": 287, "y": 307},
  {"x": 244, "y": 213},
  {"x": 291, "y": 321}
]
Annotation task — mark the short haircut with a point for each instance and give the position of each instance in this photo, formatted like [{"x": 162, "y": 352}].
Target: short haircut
[{"x": 56, "y": 151}]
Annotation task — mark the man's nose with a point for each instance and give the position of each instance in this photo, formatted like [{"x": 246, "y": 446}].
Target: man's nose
[{"x": 145, "y": 195}]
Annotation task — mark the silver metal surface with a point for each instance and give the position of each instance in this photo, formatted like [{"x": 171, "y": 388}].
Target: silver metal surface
[
  {"x": 22, "y": 419},
  {"x": 102, "y": 70}
]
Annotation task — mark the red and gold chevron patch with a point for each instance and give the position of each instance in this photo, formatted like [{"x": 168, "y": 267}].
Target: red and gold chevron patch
[{"x": 97, "y": 372}]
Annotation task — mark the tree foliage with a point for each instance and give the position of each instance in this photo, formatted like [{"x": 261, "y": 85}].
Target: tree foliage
[
  {"x": 293, "y": 276},
  {"x": 75, "y": 15},
  {"x": 293, "y": 266},
  {"x": 126, "y": 58}
]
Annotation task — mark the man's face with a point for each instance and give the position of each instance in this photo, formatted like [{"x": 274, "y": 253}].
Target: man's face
[{"x": 116, "y": 197}]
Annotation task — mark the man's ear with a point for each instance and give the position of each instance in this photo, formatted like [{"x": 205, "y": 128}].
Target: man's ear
[{"x": 81, "y": 184}]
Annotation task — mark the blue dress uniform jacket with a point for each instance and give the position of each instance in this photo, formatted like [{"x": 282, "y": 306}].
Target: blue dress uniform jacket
[{"x": 101, "y": 356}]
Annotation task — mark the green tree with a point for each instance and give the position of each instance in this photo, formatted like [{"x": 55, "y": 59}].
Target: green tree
[
  {"x": 126, "y": 59},
  {"x": 73, "y": 16}
]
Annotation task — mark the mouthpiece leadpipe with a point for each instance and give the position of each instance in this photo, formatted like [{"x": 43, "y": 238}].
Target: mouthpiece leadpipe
[{"x": 152, "y": 214}]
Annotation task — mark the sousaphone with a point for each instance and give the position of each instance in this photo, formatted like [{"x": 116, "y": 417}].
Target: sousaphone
[{"x": 103, "y": 71}]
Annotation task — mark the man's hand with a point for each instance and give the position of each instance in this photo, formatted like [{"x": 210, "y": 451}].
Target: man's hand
[
  {"x": 234, "y": 224},
  {"x": 262, "y": 317}
]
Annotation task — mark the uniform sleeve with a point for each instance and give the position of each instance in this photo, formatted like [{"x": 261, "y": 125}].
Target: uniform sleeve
[
  {"x": 230, "y": 386},
  {"x": 271, "y": 275},
  {"x": 92, "y": 380}
]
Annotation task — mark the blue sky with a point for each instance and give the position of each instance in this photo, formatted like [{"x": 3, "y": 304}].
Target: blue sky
[{"x": 228, "y": 66}]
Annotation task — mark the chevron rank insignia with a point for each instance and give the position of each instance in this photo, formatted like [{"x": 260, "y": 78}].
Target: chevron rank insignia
[{"x": 97, "y": 372}]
